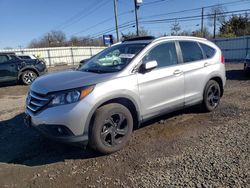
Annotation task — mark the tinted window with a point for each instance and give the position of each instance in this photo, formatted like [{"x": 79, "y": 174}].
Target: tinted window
[
  {"x": 164, "y": 54},
  {"x": 25, "y": 57},
  {"x": 113, "y": 59},
  {"x": 13, "y": 57},
  {"x": 209, "y": 51},
  {"x": 191, "y": 51},
  {"x": 3, "y": 58}
]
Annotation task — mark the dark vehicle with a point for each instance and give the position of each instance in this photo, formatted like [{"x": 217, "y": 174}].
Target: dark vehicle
[
  {"x": 14, "y": 69},
  {"x": 27, "y": 57},
  {"x": 247, "y": 64},
  {"x": 82, "y": 62}
]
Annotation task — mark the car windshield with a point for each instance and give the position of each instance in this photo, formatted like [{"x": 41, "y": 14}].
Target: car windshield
[{"x": 113, "y": 59}]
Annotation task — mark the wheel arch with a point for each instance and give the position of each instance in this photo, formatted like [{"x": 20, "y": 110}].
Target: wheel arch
[
  {"x": 25, "y": 69},
  {"x": 123, "y": 100},
  {"x": 219, "y": 80}
]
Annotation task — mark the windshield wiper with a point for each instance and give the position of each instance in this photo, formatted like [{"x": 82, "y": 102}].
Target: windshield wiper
[{"x": 94, "y": 70}]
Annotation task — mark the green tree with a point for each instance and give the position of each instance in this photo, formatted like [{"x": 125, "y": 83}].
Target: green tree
[{"x": 236, "y": 26}]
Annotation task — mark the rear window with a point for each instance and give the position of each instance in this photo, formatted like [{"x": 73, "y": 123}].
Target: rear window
[
  {"x": 209, "y": 51},
  {"x": 191, "y": 51}
]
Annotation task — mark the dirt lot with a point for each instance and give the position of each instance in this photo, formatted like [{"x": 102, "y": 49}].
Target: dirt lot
[{"x": 187, "y": 148}]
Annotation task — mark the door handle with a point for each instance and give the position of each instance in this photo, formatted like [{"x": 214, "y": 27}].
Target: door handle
[
  {"x": 177, "y": 72},
  {"x": 206, "y": 64}
]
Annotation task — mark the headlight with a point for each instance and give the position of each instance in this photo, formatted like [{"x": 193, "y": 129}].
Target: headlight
[{"x": 71, "y": 96}]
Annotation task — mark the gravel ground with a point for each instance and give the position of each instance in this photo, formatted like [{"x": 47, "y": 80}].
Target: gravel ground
[{"x": 182, "y": 149}]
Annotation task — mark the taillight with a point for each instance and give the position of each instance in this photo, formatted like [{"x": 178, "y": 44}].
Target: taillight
[{"x": 222, "y": 59}]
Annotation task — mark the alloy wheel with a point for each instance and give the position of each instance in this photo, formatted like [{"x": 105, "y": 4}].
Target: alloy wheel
[
  {"x": 114, "y": 130},
  {"x": 213, "y": 96}
]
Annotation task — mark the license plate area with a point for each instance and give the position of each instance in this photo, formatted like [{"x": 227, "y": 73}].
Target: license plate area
[{"x": 27, "y": 120}]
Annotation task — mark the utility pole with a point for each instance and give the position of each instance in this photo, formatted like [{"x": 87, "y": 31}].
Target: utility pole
[
  {"x": 202, "y": 22},
  {"x": 116, "y": 20},
  {"x": 214, "y": 24},
  {"x": 136, "y": 18},
  {"x": 49, "y": 39}
]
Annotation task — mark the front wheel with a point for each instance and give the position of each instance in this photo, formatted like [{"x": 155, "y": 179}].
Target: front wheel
[
  {"x": 211, "y": 96},
  {"x": 112, "y": 127},
  {"x": 28, "y": 77},
  {"x": 115, "y": 62}
]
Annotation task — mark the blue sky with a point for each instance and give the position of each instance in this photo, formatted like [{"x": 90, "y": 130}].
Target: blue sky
[{"x": 24, "y": 20}]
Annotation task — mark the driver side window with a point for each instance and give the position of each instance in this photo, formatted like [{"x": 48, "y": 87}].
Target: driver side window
[{"x": 165, "y": 55}]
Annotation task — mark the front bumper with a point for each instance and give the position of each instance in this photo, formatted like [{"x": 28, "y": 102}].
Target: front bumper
[
  {"x": 65, "y": 123},
  {"x": 58, "y": 133}
]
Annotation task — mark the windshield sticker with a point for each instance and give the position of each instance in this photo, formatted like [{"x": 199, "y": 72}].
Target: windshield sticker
[{"x": 128, "y": 56}]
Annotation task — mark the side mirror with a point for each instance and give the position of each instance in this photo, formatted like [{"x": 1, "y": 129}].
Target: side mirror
[
  {"x": 151, "y": 65},
  {"x": 148, "y": 66}
]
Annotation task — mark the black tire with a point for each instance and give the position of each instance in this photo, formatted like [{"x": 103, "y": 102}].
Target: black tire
[
  {"x": 211, "y": 96},
  {"x": 246, "y": 70},
  {"x": 107, "y": 125},
  {"x": 28, "y": 77}
]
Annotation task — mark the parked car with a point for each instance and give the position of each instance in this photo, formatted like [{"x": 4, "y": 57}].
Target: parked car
[
  {"x": 110, "y": 59},
  {"x": 247, "y": 64},
  {"x": 82, "y": 62},
  {"x": 14, "y": 69},
  {"x": 27, "y": 57},
  {"x": 100, "y": 105}
]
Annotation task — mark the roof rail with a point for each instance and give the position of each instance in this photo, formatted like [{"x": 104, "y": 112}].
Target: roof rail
[
  {"x": 139, "y": 38},
  {"x": 179, "y": 37},
  {"x": 7, "y": 53}
]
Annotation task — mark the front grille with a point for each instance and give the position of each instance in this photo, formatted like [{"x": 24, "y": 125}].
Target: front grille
[{"x": 36, "y": 101}]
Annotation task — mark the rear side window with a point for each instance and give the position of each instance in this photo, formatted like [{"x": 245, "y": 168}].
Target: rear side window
[
  {"x": 191, "y": 51},
  {"x": 165, "y": 55},
  {"x": 3, "y": 58},
  {"x": 209, "y": 51}
]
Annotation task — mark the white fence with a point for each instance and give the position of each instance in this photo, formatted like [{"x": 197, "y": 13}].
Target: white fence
[
  {"x": 234, "y": 49},
  {"x": 59, "y": 55}
]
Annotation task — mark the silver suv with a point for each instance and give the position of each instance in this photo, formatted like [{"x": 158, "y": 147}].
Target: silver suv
[{"x": 101, "y": 103}]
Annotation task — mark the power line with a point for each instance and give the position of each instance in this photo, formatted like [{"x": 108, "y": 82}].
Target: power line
[
  {"x": 81, "y": 16},
  {"x": 155, "y": 2},
  {"x": 102, "y": 22},
  {"x": 124, "y": 25},
  {"x": 196, "y": 9},
  {"x": 76, "y": 15},
  {"x": 181, "y": 19},
  {"x": 190, "y": 17}
]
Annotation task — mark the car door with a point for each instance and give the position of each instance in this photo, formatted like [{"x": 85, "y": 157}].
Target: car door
[
  {"x": 195, "y": 70},
  {"x": 8, "y": 70},
  {"x": 161, "y": 89}
]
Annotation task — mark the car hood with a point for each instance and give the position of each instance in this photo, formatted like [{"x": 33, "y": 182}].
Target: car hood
[
  {"x": 30, "y": 61},
  {"x": 67, "y": 80}
]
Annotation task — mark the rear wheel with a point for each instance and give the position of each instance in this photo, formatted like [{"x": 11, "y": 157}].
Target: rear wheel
[
  {"x": 246, "y": 69},
  {"x": 28, "y": 77},
  {"x": 112, "y": 127},
  {"x": 211, "y": 96}
]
